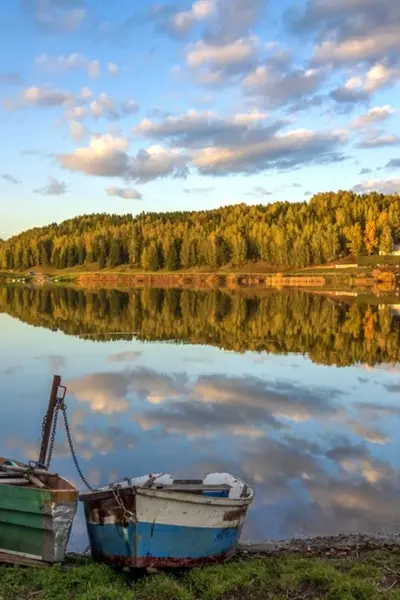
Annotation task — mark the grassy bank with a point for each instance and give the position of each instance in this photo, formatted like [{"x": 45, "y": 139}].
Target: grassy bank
[{"x": 370, "y": 576}]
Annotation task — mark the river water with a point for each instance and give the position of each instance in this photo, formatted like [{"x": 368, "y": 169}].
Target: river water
[{"x": 296, "y": 393}]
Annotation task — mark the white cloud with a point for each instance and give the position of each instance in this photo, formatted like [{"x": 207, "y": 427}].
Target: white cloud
[
  {"x": 197, "y": 129},
  {"x": 86, "y": 93},
  {"x": 75, "y": 112},
  {"x": 45, "y": 97},
  {"x": 156, "y": 162},
  {"x": 59, "y": 64},
  {"x": 108, "y": 107},
  {"x": 192, "y": 121},
  {"x": 259, "y": 192},
  {"x": 77, "y": 130},
  {"x": 371, "y": 46},
  {"x": 374, "y": 139},
  {"x": 104, "y": 104},
  {"x": 106, "y": 156},
  {"x": 275, "y": 86},
  {"x": 244, "y": 143},
  {"x": 54, "y": 16},
  {"x": 281, "y": 151},
  {"x": 230, "y": 55},
  {"x": 126, "y": 193},
  {"x": 54, "y": 187},
  {"x": 248, "y": 118},
  {"x": 112, "y": 68},
  {"x": 378, "y": 113},
  {"x": 388, "y": 186},
  {"x": 182, "y": 21},
  {"x": 360, "y": 87}
]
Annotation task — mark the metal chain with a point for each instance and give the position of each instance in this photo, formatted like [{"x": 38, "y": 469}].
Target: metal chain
[
  {"x": 128, "y": 515},
  {"x": 71, "y": 447},
  {"x": 40, "y": 462},
  {"x": 52, "y": 440}
]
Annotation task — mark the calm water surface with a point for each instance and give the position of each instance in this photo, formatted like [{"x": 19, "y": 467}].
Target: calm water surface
[{"x": 296, "y": 393}]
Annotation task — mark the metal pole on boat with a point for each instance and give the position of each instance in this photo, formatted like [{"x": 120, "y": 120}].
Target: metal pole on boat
[{"x": 47, "y": 428}]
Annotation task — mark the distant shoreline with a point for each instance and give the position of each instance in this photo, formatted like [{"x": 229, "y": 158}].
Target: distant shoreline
[{"x": 348, "y": 278}]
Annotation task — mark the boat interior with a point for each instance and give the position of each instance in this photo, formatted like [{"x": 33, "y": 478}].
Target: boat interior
[{"x": 16, "y": 473}]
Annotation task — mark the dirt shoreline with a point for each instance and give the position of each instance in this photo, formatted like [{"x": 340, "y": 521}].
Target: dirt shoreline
[{"x": 328, "y": 546}]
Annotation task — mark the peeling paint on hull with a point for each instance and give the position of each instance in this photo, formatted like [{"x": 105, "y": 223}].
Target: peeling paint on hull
[
  {"x": 35, "y": 523},
  {"x": 163, "y": 529},
  {"x": 148, "y": 544}
]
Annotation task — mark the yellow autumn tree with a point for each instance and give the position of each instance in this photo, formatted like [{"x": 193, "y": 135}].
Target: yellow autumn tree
[{"x": 371, "y": 239}]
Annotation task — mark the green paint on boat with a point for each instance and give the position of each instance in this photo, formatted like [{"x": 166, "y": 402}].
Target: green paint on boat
[{"x": 36, "y": 523}]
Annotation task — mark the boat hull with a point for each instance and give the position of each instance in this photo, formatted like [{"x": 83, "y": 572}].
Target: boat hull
[
  {"x": 35, "y": 524},
  {"x": 162, "y": 529}
]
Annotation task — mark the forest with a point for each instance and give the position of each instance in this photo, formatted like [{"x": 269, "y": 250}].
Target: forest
[
  {"x": 283, "y": 234},
  {"x": 328, "y": 331}
]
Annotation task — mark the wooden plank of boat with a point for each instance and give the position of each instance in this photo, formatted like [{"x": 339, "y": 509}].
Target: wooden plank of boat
[
  {"x": 26, "y": 469},
  {"x": 14, "y": 481},
  {"x": 20, "y": 559}
]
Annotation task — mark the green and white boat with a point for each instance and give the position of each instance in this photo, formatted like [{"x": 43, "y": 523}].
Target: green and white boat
[
  {"x": 35, "y": 522},
  {"x": 37, "y": 507}
]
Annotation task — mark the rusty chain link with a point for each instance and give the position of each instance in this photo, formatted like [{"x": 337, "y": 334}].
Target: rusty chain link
[
  {"x": 71, "y": 447},
  {"x": 52, "y": 440},
  {"x": 128, "y": 515},
  {"x": 45, "y": 465}
]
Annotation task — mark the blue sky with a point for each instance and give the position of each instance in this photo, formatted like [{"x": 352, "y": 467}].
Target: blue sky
[{"x": 122, "y": 106}]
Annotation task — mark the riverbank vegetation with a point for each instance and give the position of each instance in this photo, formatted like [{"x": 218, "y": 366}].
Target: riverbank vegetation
[
  {"x": 370, "y": 576},
  {"x": 283, "y": 235},
  {"x": 330, "y": 331}
]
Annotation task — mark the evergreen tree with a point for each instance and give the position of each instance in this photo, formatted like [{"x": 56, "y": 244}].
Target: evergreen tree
[
  {"x": 62, "y": 260},
  {"x": 154, "y": 262},
  {"x": 102, "y": 258},
  {"x": 44, "y": 256},
  {"x": 115, "y": 254},
  {"x": 71, "y": 257},
  {"x": 81, "y": 253},
  {"x": 172, "y": 257}
]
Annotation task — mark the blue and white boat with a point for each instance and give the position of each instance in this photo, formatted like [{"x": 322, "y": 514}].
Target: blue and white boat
[{"x": 157, "y": 521}]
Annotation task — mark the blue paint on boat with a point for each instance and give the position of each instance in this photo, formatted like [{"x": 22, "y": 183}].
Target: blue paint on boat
[{"x": 160, "y": 541}]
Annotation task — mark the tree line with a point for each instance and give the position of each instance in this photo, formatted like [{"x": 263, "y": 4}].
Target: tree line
[
  {"x": 329, "y": 226},
  {"x": 328, "y": 331}
]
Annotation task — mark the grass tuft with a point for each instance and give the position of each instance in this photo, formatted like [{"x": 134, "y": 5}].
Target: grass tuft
[{"x": 162, "y": 587}]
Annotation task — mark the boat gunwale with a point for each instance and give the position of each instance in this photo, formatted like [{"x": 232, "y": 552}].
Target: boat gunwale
[{"x": 164, "y": 494}]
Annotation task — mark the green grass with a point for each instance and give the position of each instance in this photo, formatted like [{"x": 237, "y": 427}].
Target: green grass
[
  {"x": 373, "y": 576},
  {"x": 378, "y": 260}
]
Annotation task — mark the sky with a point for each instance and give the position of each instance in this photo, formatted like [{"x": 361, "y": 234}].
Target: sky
[{"x": 126, "y": 106}]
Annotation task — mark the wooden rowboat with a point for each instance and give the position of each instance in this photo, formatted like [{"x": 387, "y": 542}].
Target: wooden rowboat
[
  {"x": 37, "y": 507},
  {"x": 156, "y": 521},
  {"x": 35, "y": 522}
]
